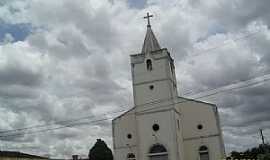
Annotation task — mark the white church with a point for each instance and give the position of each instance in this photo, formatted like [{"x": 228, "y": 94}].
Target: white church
[{"x": 162, "y": 125}]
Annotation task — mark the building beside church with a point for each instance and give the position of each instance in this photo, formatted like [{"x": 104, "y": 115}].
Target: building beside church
[
  {"x": 10, "y": 155},
  {"x": 162, "y": 125}
]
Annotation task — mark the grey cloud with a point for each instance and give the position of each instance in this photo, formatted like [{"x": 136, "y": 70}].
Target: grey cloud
[
  {"x": 18, "y": 75},
  {"x": 85, "y": 67},
  {"x": 64, "y": 44},
  {"x": 260, "y": 45},
  {"x": 95, "y": 25},
  {"x": 76, "y": 78},
  {"x": 237, "y": 14},
  {"x": 243, "y": 111},
  {"x": 17, "y": 91}
]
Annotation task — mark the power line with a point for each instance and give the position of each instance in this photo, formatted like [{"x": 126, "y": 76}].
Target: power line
[
  {"x": 89, "y": 117},
  {"x": 152, "y": 102},
  {"x": 79, "y": 119},
  {"x": 65, "y": 126},
  {"x": 208, "y": 95},
  {"x": 220, "y": 46},
  {"x": 72, "y": 124},
  {"x": 159, "y": 101},
  {"x": 224, "y": 43},
  {"x": 264, "y": 75},
  {"x": 56, "y": 128},
  {"x": 55, "y": 123},
  {"x": 260, "y": 79}
]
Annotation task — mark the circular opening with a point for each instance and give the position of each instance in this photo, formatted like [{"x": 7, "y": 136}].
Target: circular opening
[
  {"x": 155, "y": 127},
  {"x": 151, "y": 87},
  {"x": 129, "y": 136},
  {"x": 200, "y": 126}
]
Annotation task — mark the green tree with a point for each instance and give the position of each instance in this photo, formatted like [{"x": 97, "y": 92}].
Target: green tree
[
  {"x": 100, "y": 151},
  {"x": 264, "y": 156},
  {"x": 262, "y": 152}
]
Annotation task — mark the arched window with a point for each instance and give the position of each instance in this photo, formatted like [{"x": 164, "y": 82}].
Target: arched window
[
  {"x": 131, "y": 156},
  {"x": 149, "y": 65},
  {"x": 158, "y": 152},
  {"x": 204, "y": 153}
]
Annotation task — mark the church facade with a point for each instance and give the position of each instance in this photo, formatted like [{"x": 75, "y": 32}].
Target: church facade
[{"x": 162, "y": 125}]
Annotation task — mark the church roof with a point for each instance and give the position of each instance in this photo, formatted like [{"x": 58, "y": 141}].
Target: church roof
[
  {"x": 150, "y": 42},
  {"x": 197, "y": 101},
  {"x": 126, "y": 112},
  {"x": 180, "y": 100},
  {"x": 12, "y": 154}
]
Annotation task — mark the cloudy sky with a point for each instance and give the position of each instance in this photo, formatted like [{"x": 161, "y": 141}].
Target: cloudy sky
[{"x": 69, "y": 60}]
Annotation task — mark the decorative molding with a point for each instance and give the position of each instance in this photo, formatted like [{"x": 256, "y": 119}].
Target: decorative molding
[{"x": 200, "y": 137}]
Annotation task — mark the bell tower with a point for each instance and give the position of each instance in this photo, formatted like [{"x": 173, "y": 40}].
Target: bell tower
[{"x": 153, "y": 71}]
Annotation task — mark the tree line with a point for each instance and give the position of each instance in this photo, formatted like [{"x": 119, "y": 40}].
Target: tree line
[{"x": 261, "y": 152}]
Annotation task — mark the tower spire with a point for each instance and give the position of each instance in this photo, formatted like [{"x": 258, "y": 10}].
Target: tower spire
[{"x": 150, "y": 42}]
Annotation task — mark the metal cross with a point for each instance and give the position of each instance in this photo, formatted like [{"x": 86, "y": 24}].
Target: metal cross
[{"x": 148, "y": 18}]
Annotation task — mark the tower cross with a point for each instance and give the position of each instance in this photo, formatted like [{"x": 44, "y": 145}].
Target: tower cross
[{"x": 148, "y": 16}]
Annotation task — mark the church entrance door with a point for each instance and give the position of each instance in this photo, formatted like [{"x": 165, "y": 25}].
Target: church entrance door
[
  {"x": 203, "y": 152},
  {"x": 158, "y": 152},
  {"x": 159, "y": 157}
]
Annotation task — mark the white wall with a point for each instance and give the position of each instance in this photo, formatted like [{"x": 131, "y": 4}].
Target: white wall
[
  {"x": 165, "y": 136},
  {"x": 121, "y": 153},
  {"x": 144, "y": 95},
  {"x": 121, "y": 127},
  {"x": 183, "y": 141},
  {"x": 192, "y": 147},
  {"x": 160, "y": 77},
  {"x": 179, "y": 135},
  {"x": 194, "y": 113}
]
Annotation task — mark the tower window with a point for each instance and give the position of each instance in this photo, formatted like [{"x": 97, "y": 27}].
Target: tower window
[
  {"x": 178, "y": 123},
  {"x": 172, "y": 67},
  {"x": 151, "y": 87},
  {"x": 149, "y": 65}
]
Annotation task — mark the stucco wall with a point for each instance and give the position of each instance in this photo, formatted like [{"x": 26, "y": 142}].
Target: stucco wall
[
  {"x": 193, "y": 114},
  {"x": 165, "y": 135},
  {"x": 192, "y": 148},
  {"x": 178, "y": 122},
  {"x": 122, "y": 126},
  {"x": 160, "y": 77}
]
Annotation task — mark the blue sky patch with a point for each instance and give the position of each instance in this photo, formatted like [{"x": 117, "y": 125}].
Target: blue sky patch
[
  {"x": 216, "y": 29},
  {"x": 212, "y": 30},
  {"x": 18, "y": 31},
  {"x": 137, "y": 3}
]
